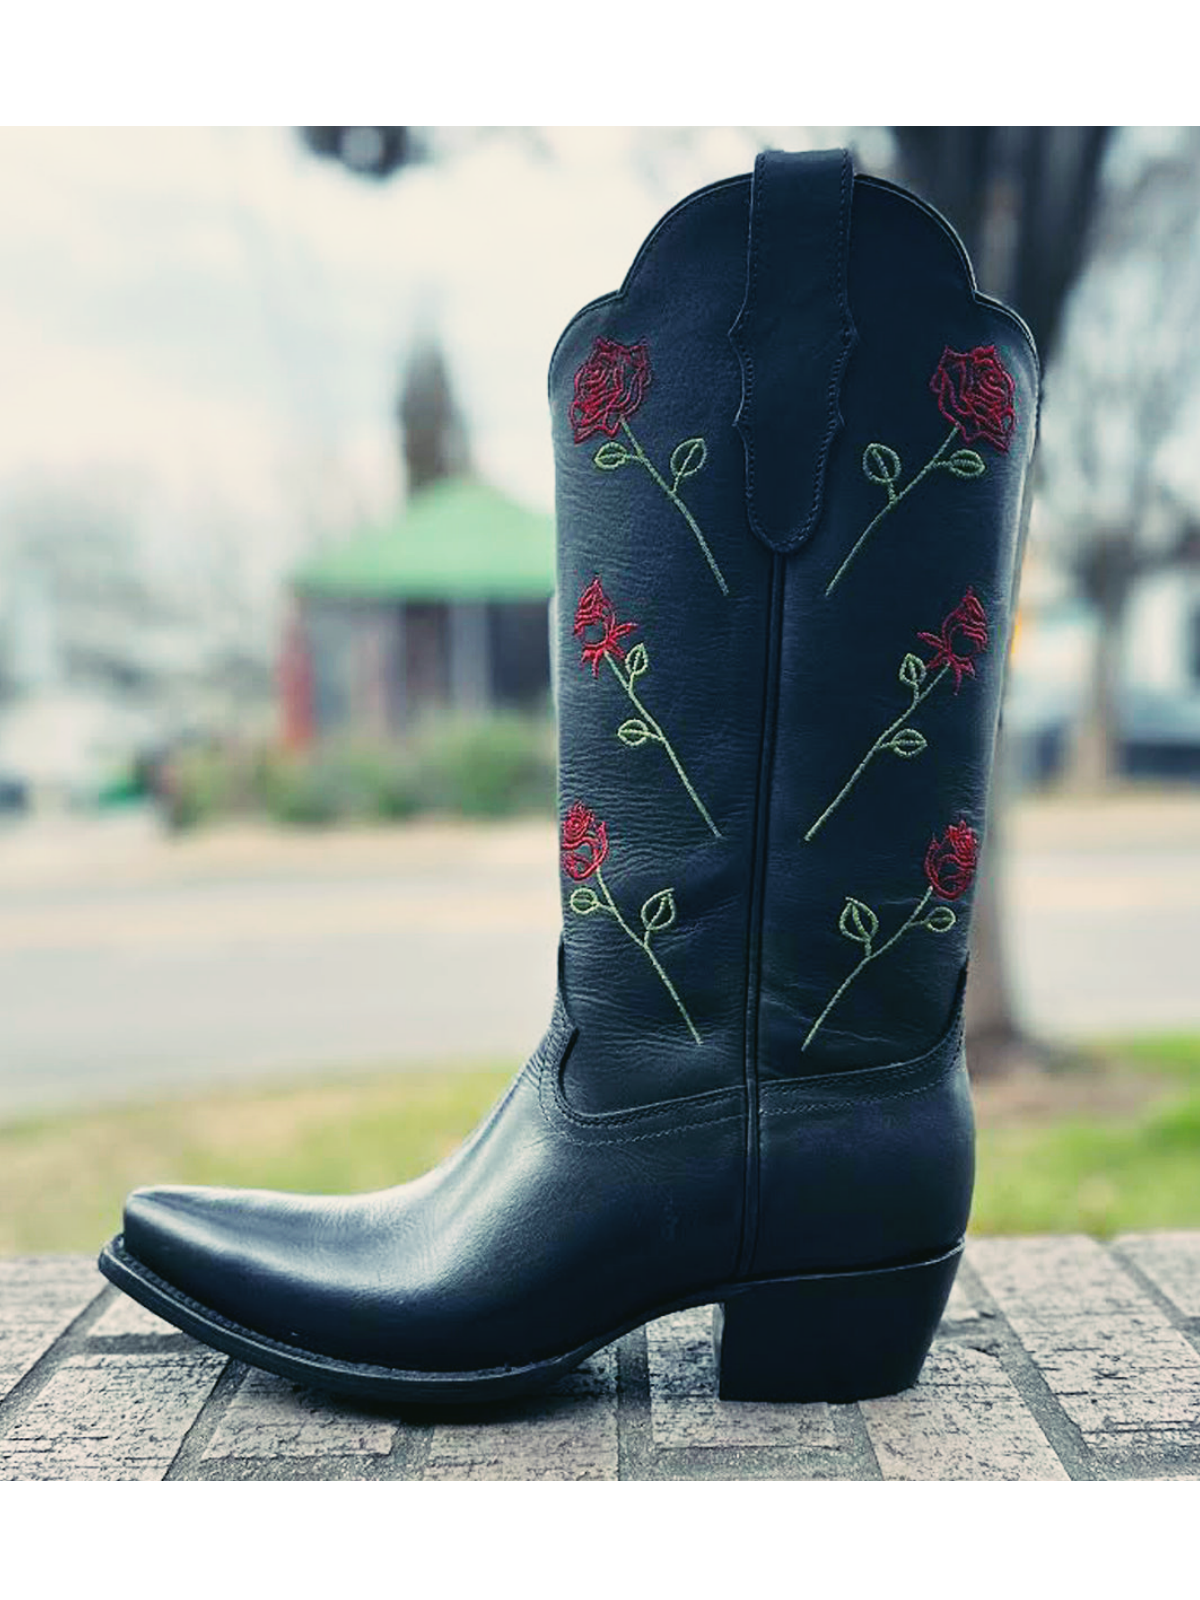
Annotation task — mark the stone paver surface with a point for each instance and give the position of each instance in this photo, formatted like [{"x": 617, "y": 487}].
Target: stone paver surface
[
  {"x": 1171, "y": 1261},
  {"x": 110, "y": 1417},
  {"x": 1058, "y": 1358},
  {"x": 1123, "y": 1372},
  {"x": 270, "y": 1419},
  {"x": 570, "y": 1434},
  {"x": 965, "y": 1420},
  {"x": 38, "y": 1301}
]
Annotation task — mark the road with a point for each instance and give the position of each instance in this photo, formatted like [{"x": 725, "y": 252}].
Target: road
[{"x": 132, "y": 965}]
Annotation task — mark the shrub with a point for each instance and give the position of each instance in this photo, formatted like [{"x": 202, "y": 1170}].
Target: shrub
[
  {"x": 495, "y": 766},
  {"x": 200, "y": 784},
  {"x": 356, "y": 782}
]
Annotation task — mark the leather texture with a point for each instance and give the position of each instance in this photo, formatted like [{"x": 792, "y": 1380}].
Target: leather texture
[{"x": 699, "y": 1114}]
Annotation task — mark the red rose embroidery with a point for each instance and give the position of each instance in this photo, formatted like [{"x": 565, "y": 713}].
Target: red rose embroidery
[
  {"x": 584, "y": 848},
  {"x": 593, "y": 606},
  {"x": 950, "y": 861},
  {"x": 976, "y": 394},
  {"x": 609, "y": 387},
  {"x": 596, "y": 610},
  {"x": 964, "y": 635},
  {"x": 584, "y": 842}
]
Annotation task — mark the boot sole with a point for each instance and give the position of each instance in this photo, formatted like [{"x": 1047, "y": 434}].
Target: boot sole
[{"x": 836, "y": 1337}]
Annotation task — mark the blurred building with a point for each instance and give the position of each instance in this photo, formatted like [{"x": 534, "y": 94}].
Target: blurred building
[{"x": 445, "y": 606}]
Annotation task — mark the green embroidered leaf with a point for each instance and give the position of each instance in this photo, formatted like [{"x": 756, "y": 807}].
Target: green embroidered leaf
[
  {"x": 637, "y": 661},
  {"x": 858, "y": 922},
  {"x": 912, "y": 671},
  {"x": 965, "y": 464},
  {"x": 612, "y": 455},
  {"x": 659, "y": 911},
  {"x": 906, "y": 742},
  {"x": 634, "y": 732},
  {"x": 687, "y": 458},
  {"x": 585, "y": 901},
  {"x": 940, "y": 920},
  {"x": 881, "y": 464}
]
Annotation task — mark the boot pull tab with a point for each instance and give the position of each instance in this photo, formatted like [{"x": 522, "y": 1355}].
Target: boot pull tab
[{"x": 793, "y": 337}]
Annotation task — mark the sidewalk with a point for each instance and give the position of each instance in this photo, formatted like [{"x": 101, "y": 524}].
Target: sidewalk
[{"x": 1059, "y": 1358}]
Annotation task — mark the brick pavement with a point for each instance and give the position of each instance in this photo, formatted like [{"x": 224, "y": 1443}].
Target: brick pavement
[{"x": 1059, "y": 1358}]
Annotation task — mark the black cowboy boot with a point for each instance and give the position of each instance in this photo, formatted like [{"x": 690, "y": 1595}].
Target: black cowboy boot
[{"x": 791, "y": 455}]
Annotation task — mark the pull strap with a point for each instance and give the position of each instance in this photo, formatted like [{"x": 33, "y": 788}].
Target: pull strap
[{"x": 793, "y": 337}]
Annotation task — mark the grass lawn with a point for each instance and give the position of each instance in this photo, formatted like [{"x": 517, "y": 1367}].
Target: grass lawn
[
  {"x": 1108, "y": 1144},
  {"x": 63, "y": 1178}
]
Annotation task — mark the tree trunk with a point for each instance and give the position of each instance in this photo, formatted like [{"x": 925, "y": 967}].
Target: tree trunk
[
  {"x": 1093, "y": 758},
  {"x": 995, "y": 1039}
]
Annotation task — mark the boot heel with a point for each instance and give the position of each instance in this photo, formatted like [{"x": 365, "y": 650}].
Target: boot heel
[{"x": 839, "y": 1336}]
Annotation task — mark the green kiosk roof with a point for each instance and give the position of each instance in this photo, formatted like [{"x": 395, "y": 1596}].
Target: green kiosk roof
[{"x": 456, "y": 540}]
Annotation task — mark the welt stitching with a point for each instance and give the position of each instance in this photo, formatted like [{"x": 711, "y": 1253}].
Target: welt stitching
[
  {"x": 746, "y": 347},
  {"x": 833, "y": 389},
  {"x": 548, "y": 1075},
  {"x": 851, "y": 1105},
  {"x": 635, "y": 1138},
  {"x": 925, "y": 1064},
  {"x": 619, "y": 1118},
  {"x": 663, "y": 1133}
]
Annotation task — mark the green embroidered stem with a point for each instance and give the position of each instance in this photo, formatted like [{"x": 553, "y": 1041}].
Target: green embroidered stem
[
  {"x": 871, "y": 955},
  {"x": 894, "y": 499},
  {"x": 644, "y": 945},
  {"x": 672, "y": 495},
  {"x": 654, "y": 731},
  {"x": 880, "y": 743}
]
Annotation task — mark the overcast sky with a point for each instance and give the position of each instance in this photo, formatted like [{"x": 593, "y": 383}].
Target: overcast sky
[
  {"x": 218, "y": 317},
  {"x": 210, "y": 322}
]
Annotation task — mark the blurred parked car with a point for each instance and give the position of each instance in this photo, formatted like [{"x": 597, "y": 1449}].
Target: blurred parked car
[
  {"x": 1158, "y": 687},
  {"x": 14, "y": 795},
  {"x": 1047, "y": 687}
]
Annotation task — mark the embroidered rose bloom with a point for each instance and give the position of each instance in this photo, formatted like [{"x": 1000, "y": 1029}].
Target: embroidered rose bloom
[
  {"x": 964, "y": 634},
  {"x": 950, "y": 861},
  {"x": 584, "y": 843},
  {"x": 609, "y": 387},
  {"x": 976, "y": 394},
  {"x": 595, "y": 610}
]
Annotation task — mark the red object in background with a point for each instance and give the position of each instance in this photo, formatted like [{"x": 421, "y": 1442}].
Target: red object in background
[{"x": 296, "y": 686}]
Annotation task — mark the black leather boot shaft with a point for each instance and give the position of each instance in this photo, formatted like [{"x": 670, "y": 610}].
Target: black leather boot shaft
[{"x": 787, "y": 357}]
